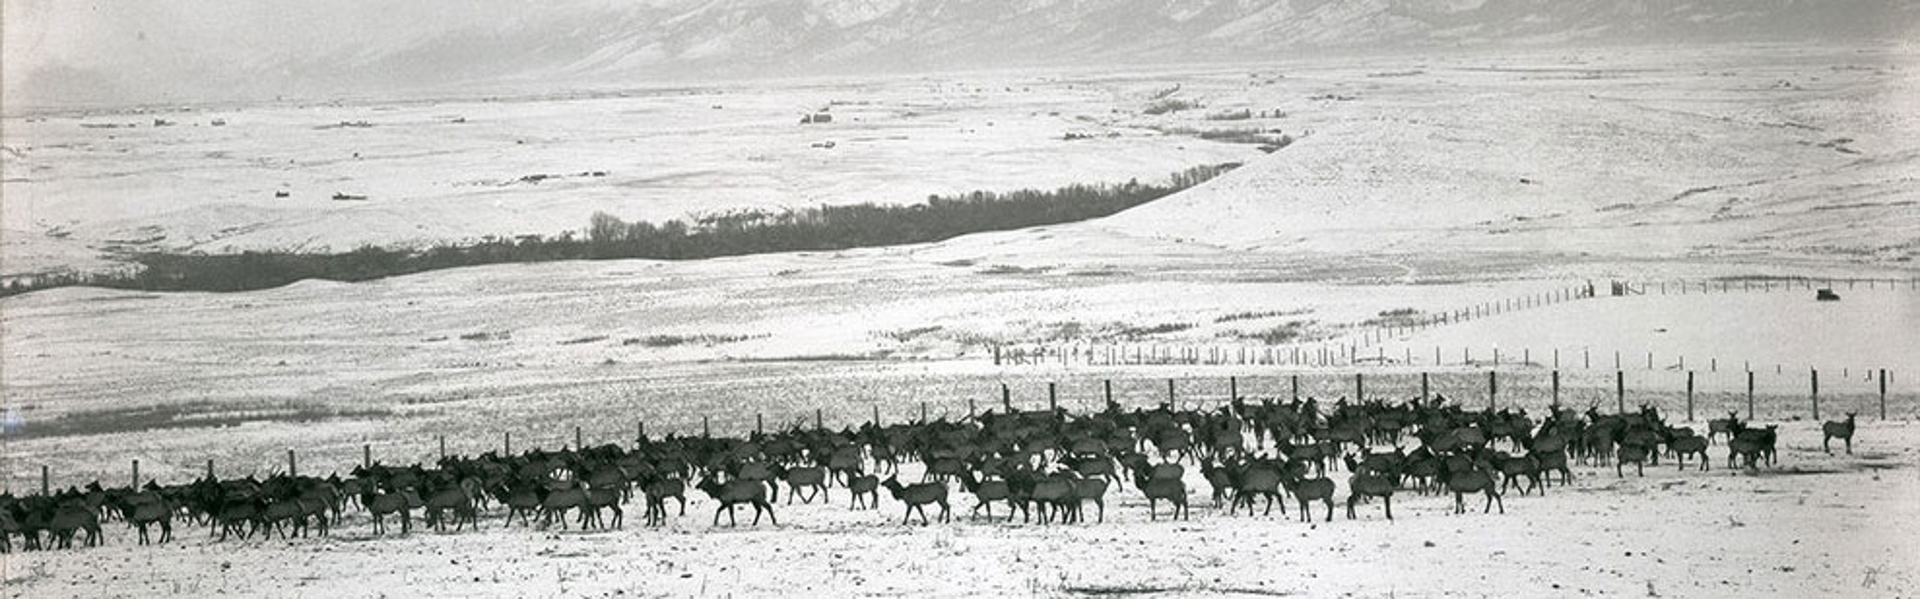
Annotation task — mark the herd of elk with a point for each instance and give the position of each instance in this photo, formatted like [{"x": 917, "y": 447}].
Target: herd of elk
[{"x": 1045, "y": 465}]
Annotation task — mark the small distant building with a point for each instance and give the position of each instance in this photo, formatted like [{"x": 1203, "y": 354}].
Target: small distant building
[{"x": 816, "y": 118}]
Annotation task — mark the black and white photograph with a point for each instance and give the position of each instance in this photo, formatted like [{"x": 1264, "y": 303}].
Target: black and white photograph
[{"x": 959, "y": 298}]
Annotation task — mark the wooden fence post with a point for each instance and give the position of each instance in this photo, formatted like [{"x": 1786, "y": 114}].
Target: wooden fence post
[
  {"x": 1170, "y": 392},
  {"x": 1883, "y": 404},
  {"x": 1689, "y": 396},
  {"x": 1053, "y": 401},
  {"x": 1006, "y": 398},
  {"x": 366, "y": 454},
  {"x": 579, "y": 440},
  {"x": 507, "y": 441},
  {"x": 1620, "y": 389},
  {"x": 759, "y": 422},
  {"x": 1359, "y": 388},
  {"x": 46, "y": 481},
  {"x": 1296, "y": 387},
  {"x": 136, "y": 474},
  {"x": 293, "y": 466},
  {"x": 209, "y": 468},
  {"x": 1107, "y": 384},
  {"x": 443, "y": 447},
  {"x": 1749, "y": 394},
  {"x": 1423, "y": 388},
  {"x": 876, "y": 415},
  {"x": 1814, "y": 375},
  {"x": 639, "y": 429},
  {"x": 1493, "y": 389},
  {"x": 706, "y": 426},
  {"x": 923, "y": 411},
  {"x": 1556, "y": 387},
  {"x": 1233, "y": 389},
  {"x": 818, "y": 420}
]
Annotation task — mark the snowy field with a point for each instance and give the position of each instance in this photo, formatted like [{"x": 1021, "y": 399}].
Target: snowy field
[
  {"x": 1402, "y": 191},
  {"x": 1713, "y": 152},
  {"x": 1818, "y": 526}
]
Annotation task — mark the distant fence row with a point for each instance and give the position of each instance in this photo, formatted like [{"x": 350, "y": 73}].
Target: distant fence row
[{"x": 1349, "y": 349}]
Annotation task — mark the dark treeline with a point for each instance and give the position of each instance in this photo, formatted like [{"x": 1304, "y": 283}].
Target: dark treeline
[{"x": 732, "y": 234}]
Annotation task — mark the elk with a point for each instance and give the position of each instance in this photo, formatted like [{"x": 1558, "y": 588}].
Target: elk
[
  {"x": 843, "y": 464},
  {"x": 379, "y": 505},
  {"x": 1549, "y": 462},
  {"x": 865, "y": 489},
  {"x": 143, "y": 510},
  {"x": 1052, "y": 493},
  {"x": 456, "y": 498},
  {"x": 1171, "y": 489},
  {"x": 235, "y": 514},
  {"x": 917, "y": 497},
  {"x": 1259, "y": 478},
  {"x": 986, "y": 492},
  {"x": 1754, "y": 444},
  {"x": 1094, "y": 489},
  {"x": 1747, "y": 448},
  {"x": 603, "y": 498},
  {"x": 1723, "y": 426},
  {"x": 735, "y": 492},
  {"x": 658, "y": 490},
  {"x": 1631, "y": 452},
  {"x": 1307, "y": 490},
  {"x": 556, "y": 497},
  {"x": 1369, "y": 484},
  {"x": 1837, "y": 429},
  {"x": 1685, "y": 446},
  {"x": 811, "y": 478},
  {"x": 1220, "y": 478},
  {"x": 10, "y": 525},
  {"x": 1514, "y": 469},
  {"x": 1473, "y": 478},
  {"x": 943, "y": 470},
  {"x": 75, "y": 516},
  {"x": 521, "y": 497}
]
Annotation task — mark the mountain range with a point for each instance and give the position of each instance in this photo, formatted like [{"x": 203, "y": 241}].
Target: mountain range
[{"x": 60, "y": 53}]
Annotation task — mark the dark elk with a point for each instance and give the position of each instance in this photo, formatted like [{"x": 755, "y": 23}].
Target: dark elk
[
  {"x": 735, "y": 492},
  {"x": 1837, "y": 429},
  {"x": 917, "y": 496}
]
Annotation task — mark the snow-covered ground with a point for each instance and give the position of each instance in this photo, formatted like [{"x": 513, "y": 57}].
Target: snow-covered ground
[
  {"x": 1406, "y": 196},
  {"x": 1817, "y": 526}
]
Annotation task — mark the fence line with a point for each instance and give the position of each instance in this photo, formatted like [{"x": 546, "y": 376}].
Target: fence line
[
  {"x": 1345, "y": 350},
  {"x": 1502, "y": 389}
]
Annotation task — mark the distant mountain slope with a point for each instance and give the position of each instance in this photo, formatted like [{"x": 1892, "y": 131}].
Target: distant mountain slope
[{"x": 149, "y": 50}]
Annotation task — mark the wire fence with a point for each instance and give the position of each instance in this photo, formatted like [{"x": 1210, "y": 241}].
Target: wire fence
[{"x": 1687, "y": 398}]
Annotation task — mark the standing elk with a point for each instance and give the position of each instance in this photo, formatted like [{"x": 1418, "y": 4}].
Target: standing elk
[
  {"x": 1837, "y": 429},
  {"x": 917, "y": 496},
  {"x": 734, "y": 493},
  {"x": 1155, "y": 489}
]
